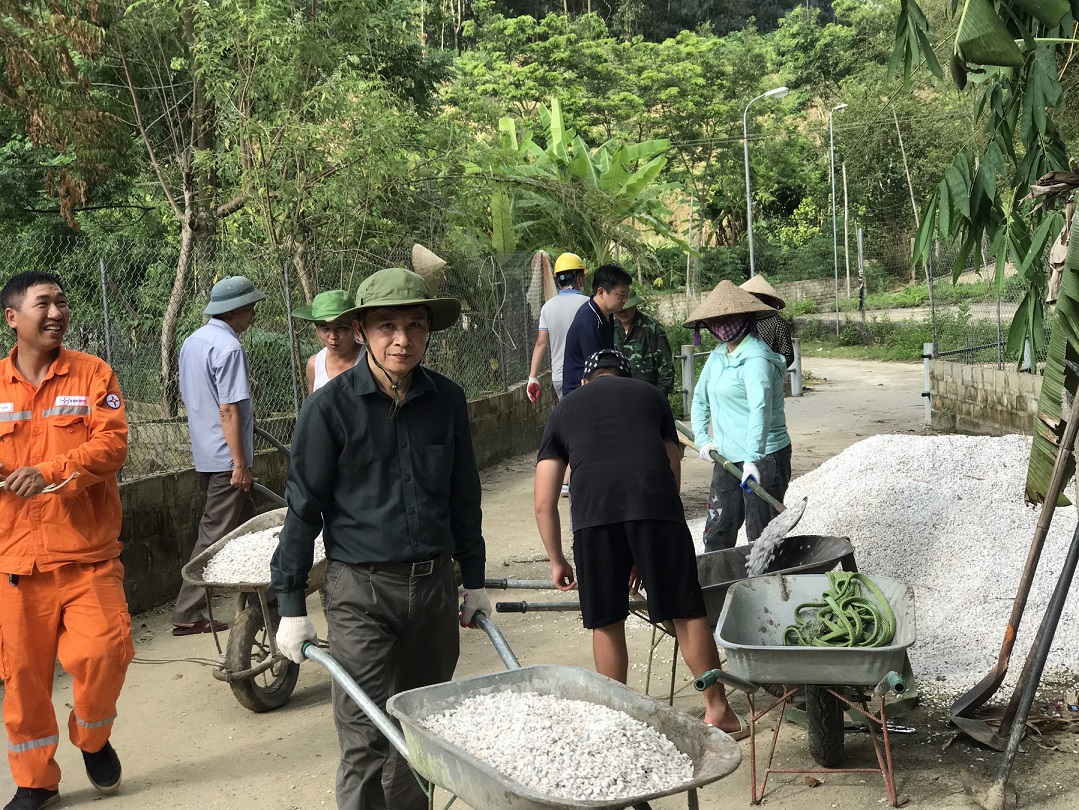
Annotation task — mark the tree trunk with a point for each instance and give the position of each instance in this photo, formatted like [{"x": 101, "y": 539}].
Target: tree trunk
[{"x": 170, "y": 373}]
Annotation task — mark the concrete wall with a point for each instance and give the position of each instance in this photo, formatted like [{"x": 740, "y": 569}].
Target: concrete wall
[
  {"x": 979, "y": 399},
  {"x": 818, "y": 289},
  {"x": 161, "y": 512}
]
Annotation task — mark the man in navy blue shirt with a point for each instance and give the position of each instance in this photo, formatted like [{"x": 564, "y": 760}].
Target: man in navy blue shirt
[{"x": 593, "y": 327}]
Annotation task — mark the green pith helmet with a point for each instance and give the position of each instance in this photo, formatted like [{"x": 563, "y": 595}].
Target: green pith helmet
[
  {"x": 328, "y": 307},
  {"x": 232, "y": 293},
  {"x": 397, "y": 287},
  {"x": 632, "y": 300}
]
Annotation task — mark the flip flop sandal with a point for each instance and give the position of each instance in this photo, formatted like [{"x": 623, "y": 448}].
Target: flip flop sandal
[{"x": 201, "y": 626}]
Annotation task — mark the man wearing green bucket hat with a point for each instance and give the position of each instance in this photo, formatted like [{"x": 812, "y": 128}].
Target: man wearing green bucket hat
[
  {"x": 643, "y": 340},
  {"x": 383, "y": 465},
  {"x": 341, "y": 349}
]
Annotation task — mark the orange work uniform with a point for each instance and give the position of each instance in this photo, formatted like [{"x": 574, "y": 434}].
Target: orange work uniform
[{"x": 61, "y": 581}]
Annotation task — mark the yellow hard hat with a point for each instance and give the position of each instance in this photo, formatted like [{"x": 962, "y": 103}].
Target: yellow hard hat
[{"x": 569, "y": 263}]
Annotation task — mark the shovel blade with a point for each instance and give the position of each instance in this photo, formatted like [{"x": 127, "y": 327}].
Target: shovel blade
[{"x": 981, "y": 732}]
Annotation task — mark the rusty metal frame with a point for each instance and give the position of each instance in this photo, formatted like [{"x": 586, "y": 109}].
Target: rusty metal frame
[{"x": 882, "y": 749}]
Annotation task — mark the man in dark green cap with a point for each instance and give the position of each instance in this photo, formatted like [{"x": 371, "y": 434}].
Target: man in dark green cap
[
  {"x": 643, "y": 340},
  {"x": 341, "y": 349},
  {"x": 383, "y": 465}
]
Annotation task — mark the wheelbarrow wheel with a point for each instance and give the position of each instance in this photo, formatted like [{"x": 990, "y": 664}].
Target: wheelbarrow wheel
[
  {"x": 249, "y": 645},
  {"x": 824, "y": 726}
]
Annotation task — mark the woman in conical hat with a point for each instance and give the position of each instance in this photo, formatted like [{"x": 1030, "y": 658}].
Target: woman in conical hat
[
  {"x": 340, "y": 348},
  {"x": 738, "y": 412}
]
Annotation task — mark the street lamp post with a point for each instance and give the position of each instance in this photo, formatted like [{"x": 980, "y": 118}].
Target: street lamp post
[
  {"x": 778, "y": 92},
  {"x": 835, "y": 237}
]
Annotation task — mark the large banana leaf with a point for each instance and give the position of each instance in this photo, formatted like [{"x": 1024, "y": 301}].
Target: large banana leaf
[
  {"x": 1060, "y": 380},
  {"x": 983, "y": 39}
]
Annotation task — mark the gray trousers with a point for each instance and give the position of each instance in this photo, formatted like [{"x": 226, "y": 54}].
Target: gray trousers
[
  {"x": 226, "y": 508},
  {"x": 729, "y": 505},
  {"x": 390, "y": 632}
]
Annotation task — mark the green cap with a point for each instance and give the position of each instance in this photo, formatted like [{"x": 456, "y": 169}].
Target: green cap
[
  {"x": 632, "y": 300},
  {"x": 397, "y": 287},
  {"x": 231, "y": 293},
  {"x": 327, "y": 307}
]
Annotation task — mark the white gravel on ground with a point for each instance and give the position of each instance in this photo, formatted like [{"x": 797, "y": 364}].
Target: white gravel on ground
[
  {"x": 247, "y": 558},
  {"x": 946, "y": 514},
  {"x": 570, "y": 749}
]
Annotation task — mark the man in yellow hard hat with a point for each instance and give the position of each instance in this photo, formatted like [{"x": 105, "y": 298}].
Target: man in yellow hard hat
[{"x": 555, "y": 319}]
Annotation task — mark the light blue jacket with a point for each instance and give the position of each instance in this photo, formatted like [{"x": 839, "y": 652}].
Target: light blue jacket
[{"x": 739, "y": 401}]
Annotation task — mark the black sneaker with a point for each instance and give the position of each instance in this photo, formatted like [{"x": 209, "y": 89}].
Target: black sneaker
[
  {"x": 103, "y": 769},
  {"x": 32, "y": 799}
]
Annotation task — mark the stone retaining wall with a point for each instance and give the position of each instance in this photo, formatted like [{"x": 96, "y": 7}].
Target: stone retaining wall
[{"x": 981, "y": 399}]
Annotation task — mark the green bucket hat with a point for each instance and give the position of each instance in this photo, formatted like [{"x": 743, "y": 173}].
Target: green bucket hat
[
  {"x": 397, "y": 287},
  {"x": 632, "y": 300},
  {"x": 328, "y": 307}
]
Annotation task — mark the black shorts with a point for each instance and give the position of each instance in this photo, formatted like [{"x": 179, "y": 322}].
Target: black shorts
[{"x": 663, "y": 553}]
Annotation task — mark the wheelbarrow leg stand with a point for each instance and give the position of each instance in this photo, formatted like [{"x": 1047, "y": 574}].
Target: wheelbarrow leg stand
[{"x": 881, "y": 747}]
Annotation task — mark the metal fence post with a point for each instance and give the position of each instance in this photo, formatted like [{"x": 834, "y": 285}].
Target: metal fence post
[
  {"x": 928, "y": 351},
  {"x": 796, "y": 369},
  {"x": 293, "y": 349},
  {"x": 687, "y": 380},
  {"x": 105, "y": 311}
]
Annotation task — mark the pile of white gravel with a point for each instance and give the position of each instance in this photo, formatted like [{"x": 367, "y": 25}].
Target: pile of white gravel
[
  {"x": 247, "y": 558},
  {"x": 570, "y": 749},
  {"x": 946, "y": 514}
]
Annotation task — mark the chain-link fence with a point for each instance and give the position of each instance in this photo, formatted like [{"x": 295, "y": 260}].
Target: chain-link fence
[{"x": 131, "y": 307}]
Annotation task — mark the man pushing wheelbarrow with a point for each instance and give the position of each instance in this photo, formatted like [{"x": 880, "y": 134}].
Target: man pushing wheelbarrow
[{"x": 383, "y": 465}]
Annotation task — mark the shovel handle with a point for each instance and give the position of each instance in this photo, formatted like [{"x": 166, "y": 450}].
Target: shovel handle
[{"x": 690, "y": 440}]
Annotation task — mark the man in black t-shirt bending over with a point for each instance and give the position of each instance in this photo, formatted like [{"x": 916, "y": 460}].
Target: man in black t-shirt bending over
[{"x": 618, "y": 435}]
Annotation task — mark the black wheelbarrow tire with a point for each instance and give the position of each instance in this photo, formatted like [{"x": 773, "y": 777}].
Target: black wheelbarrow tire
[
  {"x": 247, "y": 647},
  {"x": 825, "y": 716}
]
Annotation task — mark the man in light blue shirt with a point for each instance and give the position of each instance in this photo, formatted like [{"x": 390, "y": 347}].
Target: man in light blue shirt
[{"x": 216, "y": 391}]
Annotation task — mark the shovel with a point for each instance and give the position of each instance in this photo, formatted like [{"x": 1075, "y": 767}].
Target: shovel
[
  {"x": 765, "y": 546},
  {"x": 962, "y": 713}
]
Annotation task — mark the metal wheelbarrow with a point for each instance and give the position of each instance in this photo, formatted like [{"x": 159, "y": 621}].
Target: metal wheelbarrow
[
  {"x": 262, "y": 679},
  {"x": 714, "y": 753},
  {"x": 752, "y": 630}
]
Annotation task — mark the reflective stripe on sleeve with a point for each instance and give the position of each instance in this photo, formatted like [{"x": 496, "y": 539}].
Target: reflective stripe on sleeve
[
  {"x": 67, "y": 410},
  {"x": 97, "y": 724},
  {"x": 22, "y": 748}
]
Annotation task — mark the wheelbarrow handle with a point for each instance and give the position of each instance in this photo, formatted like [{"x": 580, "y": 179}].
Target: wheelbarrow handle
[
  {"x": 381, "y": 720},
  {"x": 714, "y": 676},
  {"x": 502, "y": 647},
  {"x": 730, "y": 467}
]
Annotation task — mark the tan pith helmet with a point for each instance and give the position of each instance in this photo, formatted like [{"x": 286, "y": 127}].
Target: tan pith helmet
[
  {"x": 759, "y": 286},
  {"x": 430, "y": 266},
  {"x": 726, "y": 300}
]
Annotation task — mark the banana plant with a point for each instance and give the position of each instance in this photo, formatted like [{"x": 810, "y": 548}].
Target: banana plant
[{"x": 567, "y": 196}]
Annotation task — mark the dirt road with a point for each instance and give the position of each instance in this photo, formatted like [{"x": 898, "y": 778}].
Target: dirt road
[{"x": 186, "y": 743}]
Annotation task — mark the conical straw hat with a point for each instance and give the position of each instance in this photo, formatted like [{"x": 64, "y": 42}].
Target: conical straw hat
[
  {"x": 759, "y": 286},
  {"x": 726, "y": 300},
  {"x": 430, "y": 266}
]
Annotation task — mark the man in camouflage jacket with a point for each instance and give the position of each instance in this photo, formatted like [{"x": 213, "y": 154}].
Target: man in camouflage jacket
[{"x": 643, "y": 340}]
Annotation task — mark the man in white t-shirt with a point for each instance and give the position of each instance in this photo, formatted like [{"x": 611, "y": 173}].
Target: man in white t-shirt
[{"x": 555, "y": 319}]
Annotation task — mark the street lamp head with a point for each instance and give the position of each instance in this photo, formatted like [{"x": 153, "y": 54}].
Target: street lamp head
[
  {"x": 839, "y": 107},
  {"x": 779, "y": 92}
]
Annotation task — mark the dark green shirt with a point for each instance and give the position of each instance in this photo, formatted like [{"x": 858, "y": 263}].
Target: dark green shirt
[
  {"x": 648, "y": 350},
  {"x": 380, "y": 489}
]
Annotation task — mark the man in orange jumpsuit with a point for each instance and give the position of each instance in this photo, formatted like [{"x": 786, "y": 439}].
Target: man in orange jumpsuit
[{"x": 63, "y": 437}]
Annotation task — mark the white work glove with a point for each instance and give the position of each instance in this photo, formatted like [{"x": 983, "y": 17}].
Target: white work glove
[
  {"x": 292, "y": 632},
  {"x": 749, "y": 470},
  {"x": 705, "y": 451},
  {"x": 533, "y": 389},
  {"x": 471, "y": 603}
]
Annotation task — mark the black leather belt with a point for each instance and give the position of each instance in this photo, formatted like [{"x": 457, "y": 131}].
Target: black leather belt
[{"x": 415, "y": 568}]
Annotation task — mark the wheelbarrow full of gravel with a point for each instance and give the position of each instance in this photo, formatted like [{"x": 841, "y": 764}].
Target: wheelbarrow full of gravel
[
  {"x": 753, "y": 632},
  {"x": 262, "y": 679},
  {"x": 706, "y": 754}
]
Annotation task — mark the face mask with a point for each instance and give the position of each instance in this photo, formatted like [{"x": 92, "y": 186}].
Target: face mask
[{"x": 729, "y": 329}]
